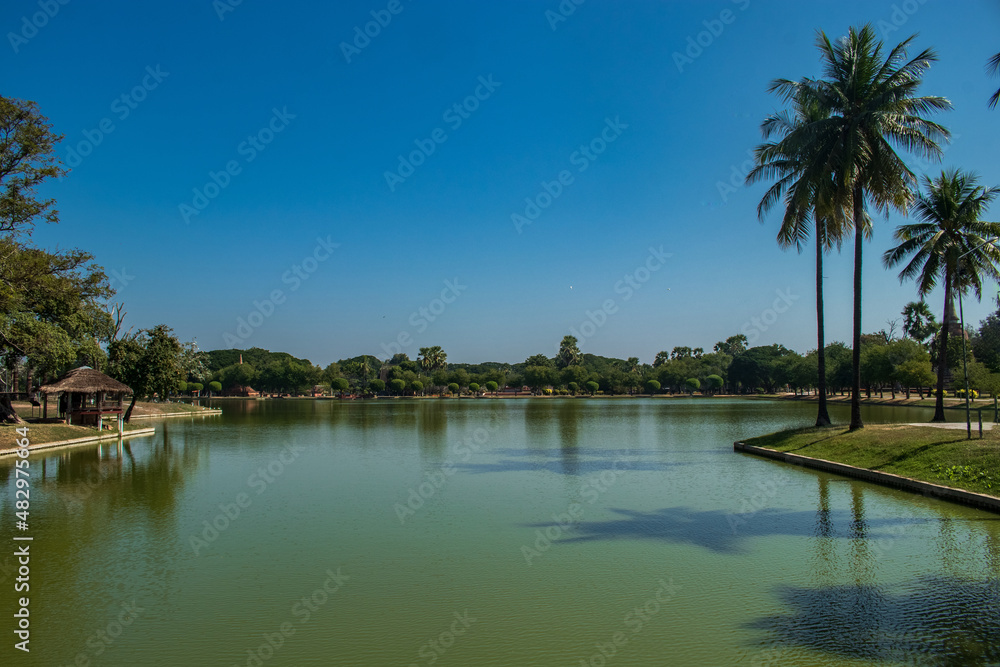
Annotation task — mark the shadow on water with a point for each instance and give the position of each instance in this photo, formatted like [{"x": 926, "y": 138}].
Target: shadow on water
[
  {"x": 722, "y": 532},
  {"x": 934, "y": 620}
]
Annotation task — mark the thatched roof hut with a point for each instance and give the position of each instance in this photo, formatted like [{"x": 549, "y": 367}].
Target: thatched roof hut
[
  {"x": 85, "y": 380},
  {"x": 83, "y": 397}
]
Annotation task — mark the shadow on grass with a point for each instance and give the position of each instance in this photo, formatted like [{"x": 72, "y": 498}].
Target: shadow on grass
[{"x": 935, "y": 620}]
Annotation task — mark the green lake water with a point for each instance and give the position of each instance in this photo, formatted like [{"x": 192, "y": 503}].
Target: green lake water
[{"x": 491, "y": 532}]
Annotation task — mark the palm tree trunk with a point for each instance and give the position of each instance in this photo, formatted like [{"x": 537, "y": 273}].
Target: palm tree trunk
[
  {"x": 822, "y": 416},
  {"x": 859, "y": 212},
  {"x": 942, "y": 353}
]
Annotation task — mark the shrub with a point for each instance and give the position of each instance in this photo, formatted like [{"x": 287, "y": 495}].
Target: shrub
[
  {"x": 182, "y": 386},
  {"x": 960, "y": 393}
]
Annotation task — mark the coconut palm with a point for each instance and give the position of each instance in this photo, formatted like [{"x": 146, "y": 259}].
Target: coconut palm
[
  {"x": 993, "y": 67},
  {"x": 870, "y": 96},
  {"x": 797, "y": 162},
  {"x": 949, "y": 244}
]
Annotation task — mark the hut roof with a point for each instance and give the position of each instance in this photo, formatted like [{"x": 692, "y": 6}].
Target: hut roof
[{"x": 85, "y": 380}]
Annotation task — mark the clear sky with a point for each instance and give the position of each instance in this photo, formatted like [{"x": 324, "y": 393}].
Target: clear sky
[{"x": 223, "y": 154}]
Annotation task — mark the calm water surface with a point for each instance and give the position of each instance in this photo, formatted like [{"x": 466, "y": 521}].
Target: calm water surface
[{"x": 527, "y": 532}]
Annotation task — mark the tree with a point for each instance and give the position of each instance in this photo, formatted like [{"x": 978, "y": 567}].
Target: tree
[
  {"x": 918, "y": 321},
  {"x": 804, "y": 178},
  {"x": 397, "y": 386},
  {"x": 693, "y": 385},
  {"x": 949, "y": 244},
  {"x": 870, "y": 98},
  {"x": 148, "y": 362},
  {"x": 215, "y": 386},
  {"x": 652, "y": 386},
  {"x": 993, "y": 67},
  {"x": 714, "y": 383},
  {"x": 732, "y": 346},
  {"x": 492, "y": 386},
  {"x": 432, "y": 358},
  {"x": 661, "y": 357},
  {"x": 573, "y": 387},
  {"x": 537, "y": 377},
  {"x": 340, "y": 385},
  {"x": 592, "y": 387},
  {"x": 569, "y": 353},
  {"x": 377, "y": 386},
  {"x": 417, "y": 386},
  {"x": 453, "y": 388}
]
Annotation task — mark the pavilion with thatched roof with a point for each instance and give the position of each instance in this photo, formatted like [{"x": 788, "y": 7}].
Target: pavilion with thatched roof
[{"x": 84, "y": 397}]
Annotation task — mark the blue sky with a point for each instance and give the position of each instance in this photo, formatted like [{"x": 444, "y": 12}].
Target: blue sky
[{"x": 227, "y": 154}]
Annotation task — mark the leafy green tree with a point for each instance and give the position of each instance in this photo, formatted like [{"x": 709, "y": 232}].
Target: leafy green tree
[
  {"x": 417, "y": 386},
  {"x": 537, "y": 377},
  {"x": 732, "y": 346},
  {"x": 661, "y": 357},
  {"x": 693, "y": 385},
  {"x": 340, "y": 385},
  {"x": 492, "y": 386},
  {"x": 474, "y": 387},
  {"x": 573, "y": 387},
  {"x": 652, "y": 387},
  {"x": 538, "y": 360},
  {"x": 592, "y": 387},
  {"x": 714, "y": 383},
  {"x": 453, "y": 388},
  {"x": 948, "y": 244},
  {"x": 397, "y": 386},
  {"x": 215, "y": 386},
  {"x": 182, "y": 386},
  {"x": 377, "y": 386}
]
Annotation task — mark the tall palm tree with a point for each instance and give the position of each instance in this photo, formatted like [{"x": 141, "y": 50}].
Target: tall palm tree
[
  {"x": 870, "y": 96},
  {"x": 993, "y": 67},
  {"x": 950, "y": 244},
  {"x": 797, "y": 162}
]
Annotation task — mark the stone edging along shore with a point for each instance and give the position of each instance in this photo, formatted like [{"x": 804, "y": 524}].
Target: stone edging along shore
[
  {"x": 82, "y": 441},
  {"x": 192, "y": 413},
  {"x": 948, "y": 493}
]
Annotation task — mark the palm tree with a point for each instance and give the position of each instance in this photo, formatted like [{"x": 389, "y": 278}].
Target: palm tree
[
  {"x": 870, "y": 98},
  {"x": 798, "y": 163},
  {"x": 951, "y": 243},
  {"x": 432, "y": 358},
  {"x": 993, "y": 67}
]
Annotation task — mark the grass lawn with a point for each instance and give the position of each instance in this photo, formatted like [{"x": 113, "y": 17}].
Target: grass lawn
[
  {"x": 929, "y": 454},
  {"x": 42, "y": 433}
]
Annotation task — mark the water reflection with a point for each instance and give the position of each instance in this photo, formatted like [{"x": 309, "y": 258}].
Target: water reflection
[{"x": 935, "y": 620}]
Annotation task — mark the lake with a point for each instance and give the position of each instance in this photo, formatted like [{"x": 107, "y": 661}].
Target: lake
[{"x": 493, "y": 532}]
